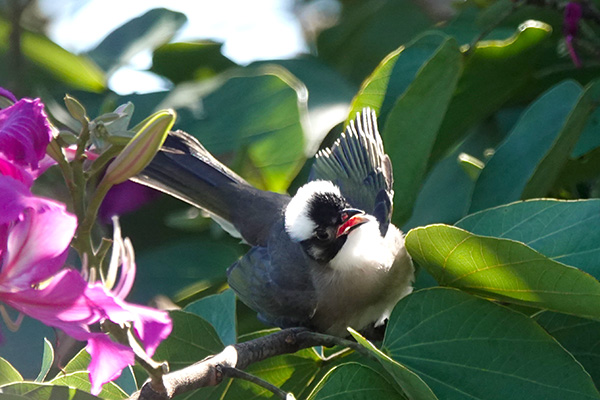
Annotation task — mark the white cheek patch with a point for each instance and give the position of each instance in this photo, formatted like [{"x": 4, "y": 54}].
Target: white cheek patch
[{"x": 297, "y": 221}]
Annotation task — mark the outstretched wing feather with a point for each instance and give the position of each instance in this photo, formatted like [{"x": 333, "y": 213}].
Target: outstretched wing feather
[{"x": 357, "y": 163}]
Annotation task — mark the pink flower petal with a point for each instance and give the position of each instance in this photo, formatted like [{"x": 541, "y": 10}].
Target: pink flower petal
[
  {"x": 37, "y": 244},
  {"x": 62, "y": 304},
  {"x": 151, "y": 326},
  {"x": 14, "y": 198},
  {"x": 11, "y": 170},
  {"x": 25, "y": 132},
  {"x": 108, "y": 360}
]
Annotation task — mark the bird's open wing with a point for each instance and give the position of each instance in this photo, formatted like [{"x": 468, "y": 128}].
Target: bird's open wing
[{"x": 357, "y": 163}]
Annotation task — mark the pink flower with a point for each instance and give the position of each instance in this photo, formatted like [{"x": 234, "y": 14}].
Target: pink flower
[
  {"x": 572, "y": 15},
  {"x": 35, "y": 234},
  {"x": 24, "y": 135},
  {"x": 34, "y": 237}
]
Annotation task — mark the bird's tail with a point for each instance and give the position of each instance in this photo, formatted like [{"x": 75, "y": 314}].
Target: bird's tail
[{"x": 183, "y": 168}]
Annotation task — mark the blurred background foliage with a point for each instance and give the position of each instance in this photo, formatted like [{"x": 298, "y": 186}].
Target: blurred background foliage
[{"x": 479, "y": 104}]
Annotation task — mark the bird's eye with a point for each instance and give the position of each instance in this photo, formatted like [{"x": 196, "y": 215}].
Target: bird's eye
[{"x": 323, "y": 234}]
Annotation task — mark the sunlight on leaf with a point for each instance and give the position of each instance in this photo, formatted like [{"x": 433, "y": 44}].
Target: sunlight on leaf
[{"x": 503, "y": 269}]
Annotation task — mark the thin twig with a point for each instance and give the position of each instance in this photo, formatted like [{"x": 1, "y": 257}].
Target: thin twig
[
  {"x": 209, "y": 372},
  {"x": 239, "y": 374}
]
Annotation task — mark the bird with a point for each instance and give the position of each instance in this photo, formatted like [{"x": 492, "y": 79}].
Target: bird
[{"x": 327, "y": 258}]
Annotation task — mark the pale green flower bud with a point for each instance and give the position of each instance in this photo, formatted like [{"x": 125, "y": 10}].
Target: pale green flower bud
[{"x": 141, "y": 148}]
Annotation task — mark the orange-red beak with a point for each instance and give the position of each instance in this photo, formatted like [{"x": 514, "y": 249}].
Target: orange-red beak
[{"x": 351, "y": 218}]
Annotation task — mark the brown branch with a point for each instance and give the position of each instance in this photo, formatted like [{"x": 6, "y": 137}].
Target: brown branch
[{"x": 209, "y": 372}]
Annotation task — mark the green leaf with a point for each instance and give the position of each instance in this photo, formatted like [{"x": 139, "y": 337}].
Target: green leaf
[
  {"x": 564, "y": 231},
  {"x": 50, "y": 61},
  {"x": 219, "y": 311},
  {"x": 550, "y": 166},
  {"x": 47, "y": 360},
  {"x": 580, "y": 337},
  {"x": 8, "y": 373},
  {"x": 465, "y": 347},
  {"x": 529, "y": 160},
  {"x": 354, "y": 381},
  {"x": 192, "y": 340},
  {"x": 290, "y": 372},
  {"x": 329, "y": 95},
  {"x": 46, "y": 391},
  {"x": 366, "y": 31},
  {"x": 200, "y": 257},
  {"x": 411, "y": 383},
  {"x": 79, "y": 362},
  {"x": 589, "y": 139},
  {"x": 146, "y": 32},
  {"x": 396, "y": 72},
  {"x": 190, "y": 60},
  {"x": 503, "y": 269},
  {"x": 80, "y": 380},
  {"x": 257, "y": 117},
  {"x": 494, "y": 71},
  {"x": 413, "y": 123}
]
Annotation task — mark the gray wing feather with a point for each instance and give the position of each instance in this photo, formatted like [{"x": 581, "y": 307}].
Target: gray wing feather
[
  {"x": 357, "y": 163},
  {"x": 275, "y": 282}
]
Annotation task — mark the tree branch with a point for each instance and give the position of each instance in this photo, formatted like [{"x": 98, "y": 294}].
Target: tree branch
[{"x": 209, "y": 372}]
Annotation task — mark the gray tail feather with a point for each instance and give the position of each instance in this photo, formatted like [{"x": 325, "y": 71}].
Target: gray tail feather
[{"x": 183, "y": 168}]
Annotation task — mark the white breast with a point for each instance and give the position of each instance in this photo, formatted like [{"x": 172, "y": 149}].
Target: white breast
[{"x": 364, "y": 281}]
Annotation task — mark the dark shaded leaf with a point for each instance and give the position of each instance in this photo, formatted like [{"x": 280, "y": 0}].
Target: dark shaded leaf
[
  {"x": 354, "y": 381},
  {"x": 455, "y": 342}
]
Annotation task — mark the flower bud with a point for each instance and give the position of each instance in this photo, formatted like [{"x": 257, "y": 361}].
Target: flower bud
[
  {"x": 7, "y": 99},
  {"x": 76, "y": 110},
  {"x": 141, "y": 148}
]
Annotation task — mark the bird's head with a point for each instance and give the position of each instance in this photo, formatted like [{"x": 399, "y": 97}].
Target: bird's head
[{"x": 320, "y": 219}]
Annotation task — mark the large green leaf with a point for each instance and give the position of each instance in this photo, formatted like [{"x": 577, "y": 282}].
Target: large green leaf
[
  {"x": 192, "y": 340},
  {"x": 565, "y": 231},
  {"x": 80, "y": 380},
  {"x": 354, "y": 381},
  {"x": 186, "y": 61},
  {"x": 8, "y": 373},
  {"x": 50, "y": 61},
  {"x": 368, "y": 30},
  {"x": 219, "y": 311},
  {"x": 329, "y": 95},
  {"x": 448, "y": 177},
  {"x": 589, "y": 139},
  {"x": 580, "y": 337},
  {"x": 413, "y": 123},
  {"x": 47, "y": 391},
  {"x": 397, "y": 71},
  {"x": 257, "y": 116},
  {"x": 494, "y": 71},
  {"x": 146, "y": 32},
  {"x": 465, "y": 347},
  {"x": 411, "y": 383},
  {"x": 529, "y": 160},
  {"x": 503, "y": 269}
]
